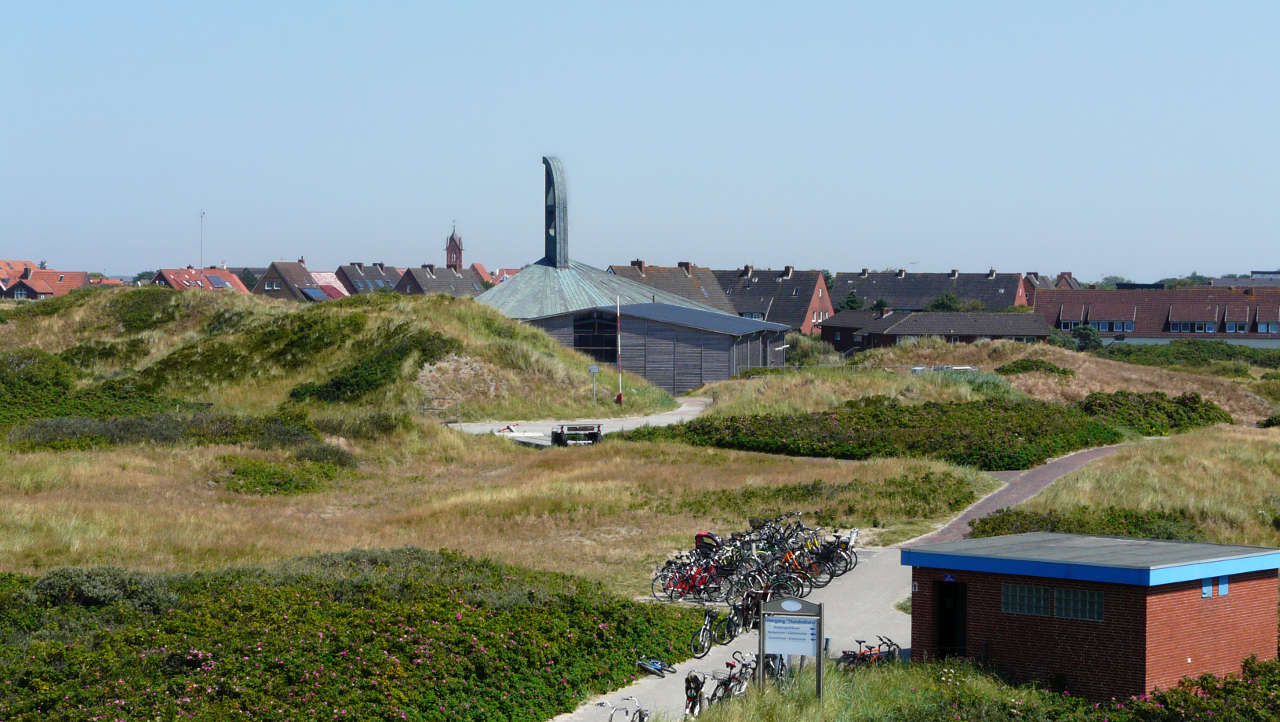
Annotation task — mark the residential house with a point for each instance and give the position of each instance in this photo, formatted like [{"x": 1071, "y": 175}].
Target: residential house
[
  {"x": 329, "y": 283},
  {"x": 696, "y": 283},
  {"x": 11, "y": 271},
  {"x": 206, "y": 279},
  {"x": 483, "y": 273},
  {"x": 430, "y": 278},
  {"x": 798, "y": 299},
  {"x": 289, "y": 280},
  {"x": 1244, "y": 316},
  {"x": 368, "y": 277},
  {"x": 36, "y": 283},
  {"x": 502, "y": 274},
  {"x": 105, "y": 281},
  {"x": 850, "y": 331},
  {"x": 902, "y": 291}
]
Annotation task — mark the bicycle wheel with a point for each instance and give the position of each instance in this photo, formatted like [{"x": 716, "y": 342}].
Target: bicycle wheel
[
  {"x": 659, "y": 587},
  {"x": 695, "y": 706},
  {"x": 700, "y": 644},
  {"x": 725, "y": 630},
  {"x": 853, "y": 561},
  {"x": 640, "y": 715},
  {"x": 720, "y": 693}
]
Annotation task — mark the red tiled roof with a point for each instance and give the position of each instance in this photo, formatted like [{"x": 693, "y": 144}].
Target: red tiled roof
[
  {"x": 480, "y": 271},
  {"x": 1112, "y": 311},
  {"x": 38, "y": 286},
  {"x": 11, "y": 271},
  {"x": 105, "y": 282},
  {"x": 333, "y": 291},
  {"x": 198, "y": 278},
  {"x": 60, "y": 282},
  {"x": 1154, "y": 309}
]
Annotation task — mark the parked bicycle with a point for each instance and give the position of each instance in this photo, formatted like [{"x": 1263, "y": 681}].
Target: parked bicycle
[
  {"x": 629, "y": 713},
  {"x": 655, "y": 666},
  {"x": 866, "y": 655}
]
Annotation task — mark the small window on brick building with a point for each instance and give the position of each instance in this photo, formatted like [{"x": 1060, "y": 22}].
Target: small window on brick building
[
  {"x": 1024, "y": 599},
  {"x": 1206, "y": 588},
  {"x": 1077, "y": 604},
  {"x": 1222, "y": 586}
]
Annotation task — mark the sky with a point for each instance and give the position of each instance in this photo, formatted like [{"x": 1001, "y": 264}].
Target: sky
[{"x": 1128, "y": 138}]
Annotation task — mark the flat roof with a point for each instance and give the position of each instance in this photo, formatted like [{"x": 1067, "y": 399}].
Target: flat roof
[
  {"x": 1118, "y": 560},
  {"x": 714, "y": 321}
]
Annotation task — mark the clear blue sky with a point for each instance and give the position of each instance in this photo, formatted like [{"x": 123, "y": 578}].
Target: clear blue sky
[{"x": 1137, "y": 138}]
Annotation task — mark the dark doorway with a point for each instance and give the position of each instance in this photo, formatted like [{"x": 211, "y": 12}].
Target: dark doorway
[{"x": 951, "y": 617}]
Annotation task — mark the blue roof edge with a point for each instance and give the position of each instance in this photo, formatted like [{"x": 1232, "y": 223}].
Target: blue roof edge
[{"x": 1142, "y": 577}]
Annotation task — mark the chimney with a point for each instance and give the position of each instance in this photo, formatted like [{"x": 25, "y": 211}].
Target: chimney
[
  {"x": 190, "y": 268},
  {"x": 955, "y": 273},
  {"x": 746, "y": 271},
  {"x": 687, "y": 267},
  {"x": 1032, "y": 275},
  {"x": 902, "y": 273},
  {"x": 637, "y": 263},
  {"x": 302, "y": 260},
  {"x": 26, "y": 272},
  {"x": 864, "y": 273},
  {"x": 787, "y": 271},
  {"x": 991, "y": 274}
]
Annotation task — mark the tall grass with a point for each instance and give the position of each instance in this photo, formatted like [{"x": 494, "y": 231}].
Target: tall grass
[{"x": 1224, "y": 480}]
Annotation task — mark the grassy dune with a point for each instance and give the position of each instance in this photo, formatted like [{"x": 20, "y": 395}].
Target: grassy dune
[
  {"x": 1226, "y": 479},
  {"x": 607, "y": 512},
  {"x": 504, "y": 370},
  {"x": 1091, "y": 374}
]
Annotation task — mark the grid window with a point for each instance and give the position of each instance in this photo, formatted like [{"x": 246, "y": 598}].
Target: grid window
[
  {"x": 1231, "y": 327},
  {"x": 1222, "y": 586},
  {"x": 1211, "y": 327},
  {"x": 1077, "y": 604},
  {"x": 1024, "y": 599},
  {"x": 1128, "y": 326}
]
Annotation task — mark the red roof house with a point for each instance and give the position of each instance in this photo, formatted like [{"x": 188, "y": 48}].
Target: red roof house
[{"x": 206, "y": 279}]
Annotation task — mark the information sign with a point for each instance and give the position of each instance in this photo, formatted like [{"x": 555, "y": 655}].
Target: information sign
[{"x": 791, "y": 635}]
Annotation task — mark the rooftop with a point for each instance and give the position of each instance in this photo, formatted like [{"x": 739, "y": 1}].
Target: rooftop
[
  {"x": 693, "y": 318},
  {"x": 1118, "y": 560}
]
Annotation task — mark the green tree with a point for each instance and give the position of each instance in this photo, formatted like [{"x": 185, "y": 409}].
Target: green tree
[
  {"x": 852, "y": 302},
  {"x": 827, "y": 278},
  {"x": 248, "y": 279},
  {"x": 1087, "y": 338},
  {"x": 1112, "y": 281},
  {"x": 143, "y": 277},
  {"x": 945, "y": 302},
  {"x": 880, "y": 306}
]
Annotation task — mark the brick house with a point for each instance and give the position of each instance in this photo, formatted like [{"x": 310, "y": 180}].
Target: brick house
[
  {"x": 696, "y": 283},
  {"x": 368, "y": 277},
  {"x": 289, "y": 280},
  {"x": 11, "y": 271},
  {"x": 35, "y": 283},
  {"x": 207, "y": 279},
  {"x": 903, "y": 291},
  {"x": 1097, "y": 616},
  {"x": 798, "y": 299},
  {"x": 1245, "y": 316}
]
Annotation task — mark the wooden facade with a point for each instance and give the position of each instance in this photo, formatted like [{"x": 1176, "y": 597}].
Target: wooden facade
[{"x": 671, "y": 356}]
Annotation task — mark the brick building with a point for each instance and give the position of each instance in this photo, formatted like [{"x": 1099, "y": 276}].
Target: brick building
[
  {"x": 1096, "y": 616},
  {"x": 1243, "y": 316}
]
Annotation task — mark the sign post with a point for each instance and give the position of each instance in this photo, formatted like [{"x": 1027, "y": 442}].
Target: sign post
[
  {"x": 791, "y": 626},
  {"x": 593, "y": 369}
]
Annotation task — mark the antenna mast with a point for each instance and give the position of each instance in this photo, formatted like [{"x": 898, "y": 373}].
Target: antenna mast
[{"x": 201, "y": 238}]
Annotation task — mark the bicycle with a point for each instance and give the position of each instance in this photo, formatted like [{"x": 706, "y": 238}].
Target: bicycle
[
  {"x": 735, "y": 681},
  {"x": 702, "y": 640},
  {"x": 655, "y": 666},
  {"x": 629, "y": 714}
]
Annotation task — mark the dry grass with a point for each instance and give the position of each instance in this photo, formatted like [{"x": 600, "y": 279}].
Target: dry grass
[
  {"x": 1227, "y": 478},
  {"x": 589, "y": 510},
  {"x": 817, "y": 389},
  {"x": 1091, "y": 373}
]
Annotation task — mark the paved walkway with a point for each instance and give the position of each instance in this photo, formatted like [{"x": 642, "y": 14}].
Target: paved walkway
[
  {"x": 539, "y": 432},
  {"x": 859, "y": 605}
]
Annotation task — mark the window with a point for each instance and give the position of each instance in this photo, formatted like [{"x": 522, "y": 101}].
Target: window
[
  {"x": 1242, "y": 327},
  {"x": 1199, "y": 326},
  {"x": 19, "y": 292},
  {"x": 819, "y": 291},
  {"x": 1077, "y": 604},
  {"x": 1231, "y": 327},
  {"x": 1128, "y": 326},
  {"x": 1024, "y": 599},
  {"x": 837, "y": 336},
  {"x": 1222, "y": 586},
  {"x": 1211, "y": 327},
  {"x": 1206, "y": 588},
  {"x": 596, "y": 334}
]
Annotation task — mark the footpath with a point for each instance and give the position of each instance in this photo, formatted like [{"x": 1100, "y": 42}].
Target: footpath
[
  {"x": 539, "y": 432},
  {"x": 858, "y": 605}
]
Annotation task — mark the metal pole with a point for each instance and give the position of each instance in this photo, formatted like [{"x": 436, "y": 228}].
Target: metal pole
[
  {"x": 619, "y": 335},
  {"x": 760, "y": 657},
  {"x": 202, "y": 238},
  {"x": 821, "y": 651}
]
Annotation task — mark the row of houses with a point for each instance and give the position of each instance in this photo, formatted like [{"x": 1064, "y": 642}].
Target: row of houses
[{"x": 31, "y": 281}]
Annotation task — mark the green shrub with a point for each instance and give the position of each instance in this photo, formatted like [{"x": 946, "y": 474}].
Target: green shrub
[
  {"x": 295, "y": 339},
  {"x": 101, "y": 586},
  {"x": 1230, "y": 369},
  {"x": 1191, "y": 352},
  {"x": 993, "y": 434},
  {"x": 91, "y": 353},
  {"x": 1270, "y": 422},
  {"x": 143, "y": 308},
  {"x": 380, "y": 368},
  {"x": 25, "y": 373},
  {"x": 1154, "y": 413},
  {"x": 1061, "y": 340},
  {"x": 205, "y": 363},
  {"x": 1029, "y": 365},
  {"x": 53, "y": 306},
  {"x": 81, "y": 432},
  {"x": 1112, "y": 521},
  {"x": 1268, "y": 389},
  {"x": 249, "y": 475},
  {"x": 1271, "y": 376},
  {"x": 322, "y": 453},
  {"x": 371, "y": 634}
]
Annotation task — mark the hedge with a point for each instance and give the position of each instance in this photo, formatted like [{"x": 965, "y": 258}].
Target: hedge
[
  {"x": 1113, "y": 521},
  {"x": 1190, "y": 352},
  {"x": 1028, "y": 365},
  {"x": 1154, "y": 413}
]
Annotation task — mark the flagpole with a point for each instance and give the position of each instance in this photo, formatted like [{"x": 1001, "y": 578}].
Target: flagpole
[{"x": 619, "y": 335}]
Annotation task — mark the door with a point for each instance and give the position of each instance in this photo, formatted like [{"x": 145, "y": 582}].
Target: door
[{"x": 951, "y": 616}]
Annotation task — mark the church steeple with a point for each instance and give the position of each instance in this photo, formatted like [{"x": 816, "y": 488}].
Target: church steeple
[{"x": 453, "y": 250}]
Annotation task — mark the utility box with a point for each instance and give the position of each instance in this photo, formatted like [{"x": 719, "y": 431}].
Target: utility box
[{"x": 1096, "y": 616}]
